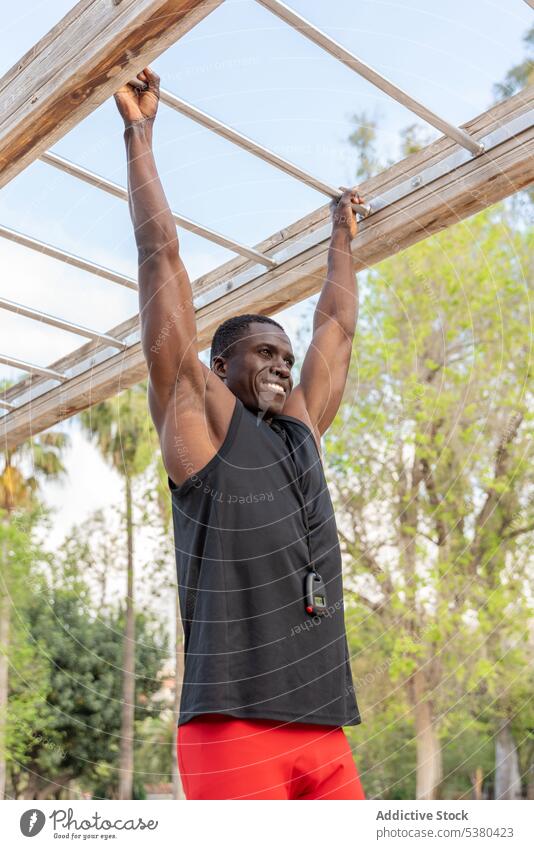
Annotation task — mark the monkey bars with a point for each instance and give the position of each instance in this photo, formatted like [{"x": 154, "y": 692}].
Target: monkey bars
[{"x": 470, "y": 168}]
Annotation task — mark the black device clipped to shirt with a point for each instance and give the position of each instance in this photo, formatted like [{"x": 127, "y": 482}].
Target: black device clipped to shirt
[{"x": 315, "y": 594}]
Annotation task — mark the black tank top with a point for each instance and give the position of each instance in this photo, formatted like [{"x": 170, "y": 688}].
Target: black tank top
[{"x": 246, "y": 529}]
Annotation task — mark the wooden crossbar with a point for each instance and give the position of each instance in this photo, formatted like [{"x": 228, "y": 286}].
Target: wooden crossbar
[
  {"x": 96, "y": 372},
  {"x": 81, "y": 62}
]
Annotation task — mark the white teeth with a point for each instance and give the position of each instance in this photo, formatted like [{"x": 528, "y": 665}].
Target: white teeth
[{"x": 275, "y": 387}]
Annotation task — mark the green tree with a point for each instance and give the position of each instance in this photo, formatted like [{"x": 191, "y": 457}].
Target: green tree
[
  {"x": 154, "y": 756},
  {"x": 383, "y": 745},
  {"x": 122, "y": 430},
  {"x": 75, "y": 741},
  {"x": 24, "y": 563},
  {"x": 101, "y": 536},
  {"x": 428, "y": 458},
  {"x": 363, "y": 138},
  {"x": 23, "y": 470},
  {"x": 519, "y": 75}
]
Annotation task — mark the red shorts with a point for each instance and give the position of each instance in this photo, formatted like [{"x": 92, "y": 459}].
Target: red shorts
[{"x": 223, "y": 757}]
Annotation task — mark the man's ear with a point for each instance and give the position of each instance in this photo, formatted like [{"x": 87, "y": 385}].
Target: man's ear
[{"x": 219, "y": 367}]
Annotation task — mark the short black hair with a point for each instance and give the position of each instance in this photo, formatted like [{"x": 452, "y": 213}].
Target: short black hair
[{"x": 232, "y": 330}]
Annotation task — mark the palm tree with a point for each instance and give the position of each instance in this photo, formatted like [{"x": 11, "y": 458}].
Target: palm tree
[
  {"x": 122, "y": 430},
  {"x": 18, "y": 494}
]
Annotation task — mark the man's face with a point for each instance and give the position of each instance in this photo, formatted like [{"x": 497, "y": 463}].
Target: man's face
[{"x": 258, "y": 369}]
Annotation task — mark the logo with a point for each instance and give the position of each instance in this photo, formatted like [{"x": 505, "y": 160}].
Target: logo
[{"x": 31, "y": 822}]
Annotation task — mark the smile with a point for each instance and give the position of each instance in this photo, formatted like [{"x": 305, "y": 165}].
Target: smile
[{"x": 275, "y": 387}]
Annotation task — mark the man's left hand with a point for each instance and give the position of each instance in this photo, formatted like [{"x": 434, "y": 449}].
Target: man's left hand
[{"x": 343, "y": 215}]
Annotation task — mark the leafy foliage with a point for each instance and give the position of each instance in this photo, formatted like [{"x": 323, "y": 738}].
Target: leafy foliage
[
  {"x": 519, "y": 75},
  {"x": 75, "y": 733},
  {"x": 429, "y": 463}
]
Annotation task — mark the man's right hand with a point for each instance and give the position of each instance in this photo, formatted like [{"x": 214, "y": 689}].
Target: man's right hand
[{"x": 139, "y": 104}]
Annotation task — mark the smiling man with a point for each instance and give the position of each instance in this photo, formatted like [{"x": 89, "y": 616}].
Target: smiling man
[{"x": 267, "y": 683}]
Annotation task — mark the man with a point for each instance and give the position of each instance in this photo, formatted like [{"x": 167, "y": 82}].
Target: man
[{"x": 267, "y": 683}]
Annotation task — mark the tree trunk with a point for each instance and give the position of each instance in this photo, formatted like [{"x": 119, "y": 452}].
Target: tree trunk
[
  {"x": 5, "y": 612},
  {"x": 477, "y": 780},
  {"x": 128, "y": 690},
  {"x": 507, "y": 775},
  {"x": 429, "y": 771},
  {"x": 530, "y": 781},
  {"x": 177, "y": 789}
]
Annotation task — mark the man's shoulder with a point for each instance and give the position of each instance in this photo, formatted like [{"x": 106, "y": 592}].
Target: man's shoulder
[{"x": 295, "y": 407}]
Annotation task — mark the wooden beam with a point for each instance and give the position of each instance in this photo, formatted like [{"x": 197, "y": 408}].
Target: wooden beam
[
  {"x": 302, "y": 251},
  {"x": 81, "y": 62}
]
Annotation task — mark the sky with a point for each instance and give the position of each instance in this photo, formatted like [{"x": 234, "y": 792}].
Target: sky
[{"x": 244, "y": 66}]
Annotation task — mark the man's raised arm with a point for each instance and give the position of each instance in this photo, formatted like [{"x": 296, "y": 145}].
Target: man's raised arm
[
  {"x": 324, "y": 370},
  {"x": 168, "y": 327}
]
